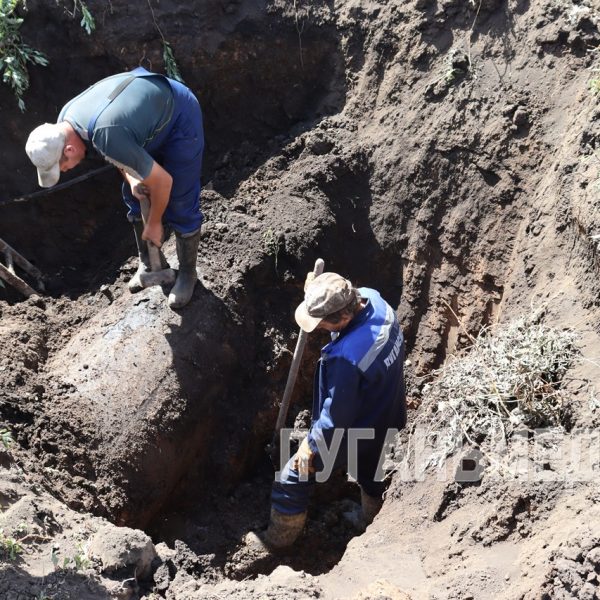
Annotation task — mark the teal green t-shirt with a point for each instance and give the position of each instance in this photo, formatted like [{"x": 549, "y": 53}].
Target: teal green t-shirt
[{"x": 127, "y": 124}]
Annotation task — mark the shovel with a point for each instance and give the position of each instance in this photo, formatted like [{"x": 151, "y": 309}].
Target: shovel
[
  {"x": 273, "y": 447},
  {"x": 157, "y": 275}
]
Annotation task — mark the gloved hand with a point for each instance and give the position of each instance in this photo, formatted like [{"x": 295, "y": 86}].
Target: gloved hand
[{"x": 303, "y": 459}]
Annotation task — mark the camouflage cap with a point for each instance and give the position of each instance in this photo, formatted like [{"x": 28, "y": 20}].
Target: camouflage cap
[{"x": 325, "y": 295}]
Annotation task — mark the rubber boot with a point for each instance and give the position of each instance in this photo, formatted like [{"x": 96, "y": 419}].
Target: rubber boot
[
  {"x": 259, "y": 550},
  {"x": 283, "y": 531},
  {"x": 371, "y": 505},
  {"x": 187, "y": 253}
]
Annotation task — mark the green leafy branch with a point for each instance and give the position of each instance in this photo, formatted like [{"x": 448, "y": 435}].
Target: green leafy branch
[
  {"x": 171, "y": 66},
  {"x": 87, "y": 20},
  {"x": 15, "y": 54}
]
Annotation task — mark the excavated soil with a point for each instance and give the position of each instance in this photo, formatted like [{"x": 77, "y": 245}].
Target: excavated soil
[{"x": 443, "y": 152}]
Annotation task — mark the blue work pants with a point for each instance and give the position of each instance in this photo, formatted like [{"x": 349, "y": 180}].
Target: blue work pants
[{"x": 290, "y": 494}]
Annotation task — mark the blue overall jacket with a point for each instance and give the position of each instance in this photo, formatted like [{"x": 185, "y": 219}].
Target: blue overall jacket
[
  {"x": 359, "y": 381},
  {"x": 358, "y": 389}
]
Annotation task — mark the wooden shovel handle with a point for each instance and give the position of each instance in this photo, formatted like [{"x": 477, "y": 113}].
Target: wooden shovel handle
[
  {"x": 293, "y": 374},
  {"x": 153, "y": 252}
]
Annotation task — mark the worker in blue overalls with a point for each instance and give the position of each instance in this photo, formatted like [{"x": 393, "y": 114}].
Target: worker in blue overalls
[
  {"x": 358, "y": 400},
  {"x": 149, "y": 127}
]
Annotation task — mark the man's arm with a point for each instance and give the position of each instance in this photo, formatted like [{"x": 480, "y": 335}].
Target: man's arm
[
  {"x": 118, "y": 145},
  {"x": 342, "y": 403},
  {"x": 340, "y": 409},
  {"x": 157, "y": 186}
]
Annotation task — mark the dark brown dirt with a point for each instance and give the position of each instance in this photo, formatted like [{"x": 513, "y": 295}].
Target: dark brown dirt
[{"x": 442, "y": 152}]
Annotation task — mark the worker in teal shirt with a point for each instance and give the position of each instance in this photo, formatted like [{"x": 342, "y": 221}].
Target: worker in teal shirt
[{"x": 150, "y": 127}]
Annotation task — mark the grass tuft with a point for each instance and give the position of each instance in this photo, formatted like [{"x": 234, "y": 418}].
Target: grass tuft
[
  {"x": 271, "y": 244},
  {"x": 6, "y": 438},
  {"x": 10, "y": 548}
]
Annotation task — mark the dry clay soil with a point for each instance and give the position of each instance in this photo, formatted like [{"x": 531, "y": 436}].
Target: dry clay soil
[{"x": 444, "y": 152}]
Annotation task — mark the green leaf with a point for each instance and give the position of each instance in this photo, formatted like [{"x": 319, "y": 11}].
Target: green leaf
[
  {"x": 170, "y": 63},
  {"x": 6, "y": 438},
  {"x": 87, "y": 20}
]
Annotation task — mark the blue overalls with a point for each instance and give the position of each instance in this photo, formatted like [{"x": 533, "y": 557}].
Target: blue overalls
[
  {"x": 358, "y": 388},
  {"x": 178, "y": 149}
]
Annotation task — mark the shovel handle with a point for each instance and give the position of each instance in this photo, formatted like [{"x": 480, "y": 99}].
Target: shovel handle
[
  {"x": 154, "y": 257},
  {"x": 153, "y": 252},
  {"x": 293, "y": 374}
]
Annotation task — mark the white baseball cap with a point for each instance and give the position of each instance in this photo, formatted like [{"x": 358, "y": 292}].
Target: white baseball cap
[{"x": 45, "y": 147}]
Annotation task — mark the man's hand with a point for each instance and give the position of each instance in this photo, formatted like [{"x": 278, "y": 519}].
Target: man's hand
[
  {"x": 140, "y": 191},
  {"x": 153, "y": 233},
  {"x": 303, "y": 459},
  {"x": 157, "y": 189}
]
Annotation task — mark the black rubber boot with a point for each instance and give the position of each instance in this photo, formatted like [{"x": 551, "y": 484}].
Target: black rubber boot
[
  {"x": 134, "y": 283},
  {"x": 187, "y": 253}
]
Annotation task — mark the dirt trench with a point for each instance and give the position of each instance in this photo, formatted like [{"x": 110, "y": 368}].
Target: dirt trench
[
  {"x": 135, "y": 413},
  {"x": 354, "y": 132},
  {"x": 80, "y": 238}
]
